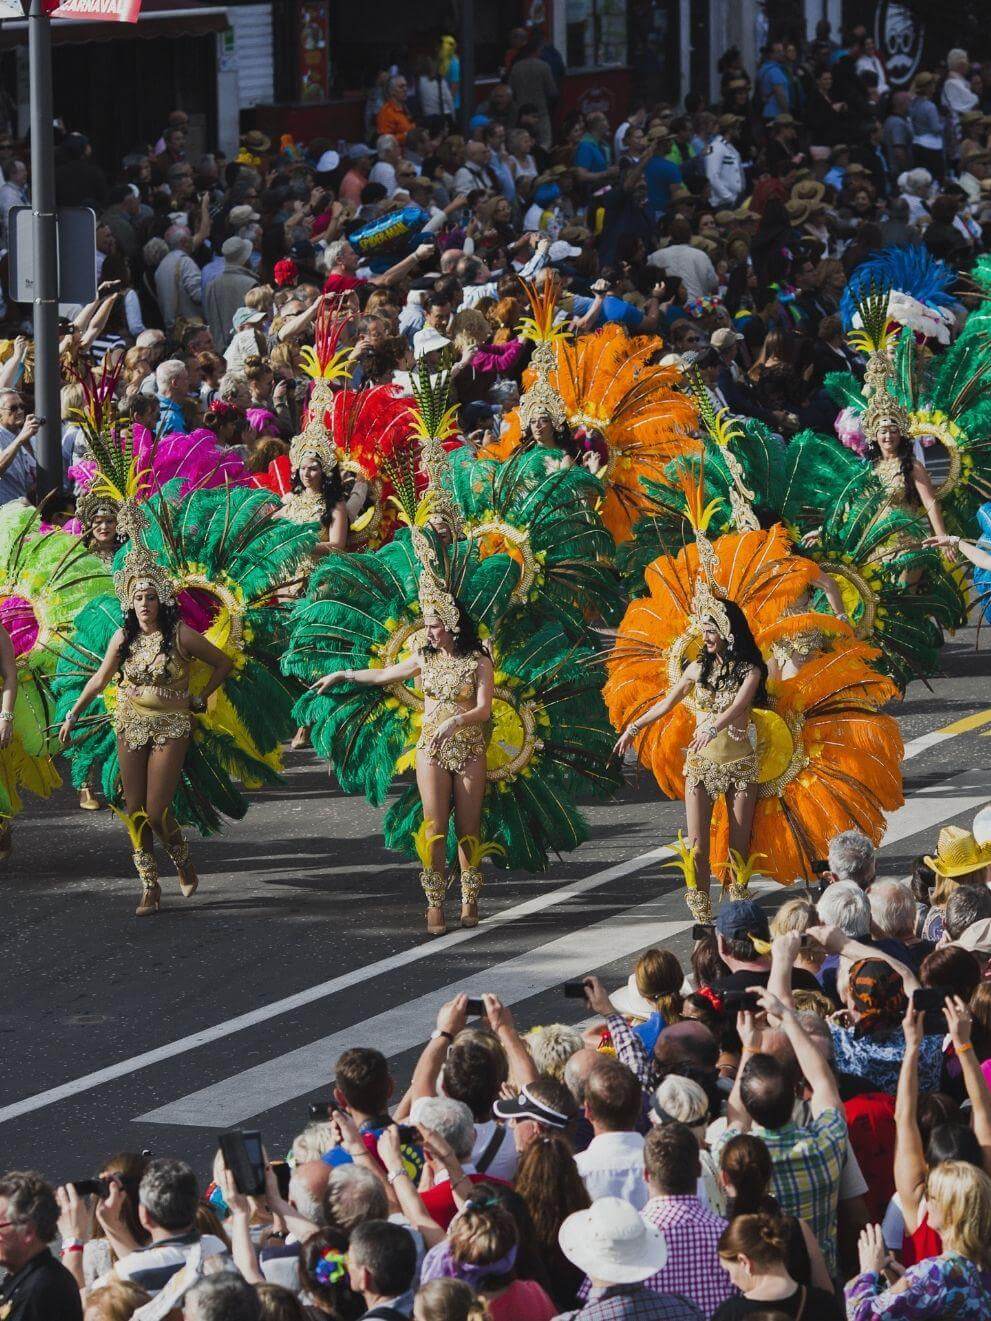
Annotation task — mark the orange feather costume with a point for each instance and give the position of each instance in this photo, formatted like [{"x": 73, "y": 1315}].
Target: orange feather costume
[
  {"x": 829, "y": 760},
  {"x": 607, "y": 383}
]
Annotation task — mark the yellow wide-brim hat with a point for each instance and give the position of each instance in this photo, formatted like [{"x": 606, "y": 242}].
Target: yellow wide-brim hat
[{"x": 958, "y": 853}]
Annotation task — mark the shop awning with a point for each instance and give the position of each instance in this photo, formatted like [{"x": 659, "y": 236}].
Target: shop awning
[{"x": 158, "y": 18}]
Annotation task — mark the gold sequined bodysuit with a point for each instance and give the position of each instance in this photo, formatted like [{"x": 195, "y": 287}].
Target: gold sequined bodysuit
[
  {"x": 449, "y": 686},
  {"x": 889, "y": 474},
  {"x": 153, "y": 694},
  {"x": 729, "y": 761}
]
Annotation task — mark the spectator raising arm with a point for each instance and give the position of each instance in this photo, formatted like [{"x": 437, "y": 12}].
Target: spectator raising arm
[
  {"x": 960, "y": 1024},
  {"x": 450, "y": 1021},
  {"x": 522, "y": 1069},
  {"x": 910, "y": 1158},
  {"x": 811, "y": 1061}
]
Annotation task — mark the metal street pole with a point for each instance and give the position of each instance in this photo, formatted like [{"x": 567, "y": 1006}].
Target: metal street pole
[
  {"x": 48, "y": 444},
  {"x": 466, "y": 52}
]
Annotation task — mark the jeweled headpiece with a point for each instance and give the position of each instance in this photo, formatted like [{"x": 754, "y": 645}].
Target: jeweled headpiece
[
  {"x": 314, "y": 439},
  {"x": 96, "y": 504},
  {"x": 141, "y": 571},
  {"x": 708, "y": 599},
  {"x": 875, "y": 336},
  {"x": 882, "y": 403},
  {"x": 541, "y": 399}
]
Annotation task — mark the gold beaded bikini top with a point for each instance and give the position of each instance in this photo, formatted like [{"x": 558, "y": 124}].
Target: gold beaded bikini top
[
  {"x": 889, "y": 474},
  {"x": 446, "y": 678},
  {"x": 149, "y": 667}
]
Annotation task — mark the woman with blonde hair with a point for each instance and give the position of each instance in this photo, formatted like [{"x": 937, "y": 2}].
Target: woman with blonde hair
[
  {"x": 799, "y": 915},
  {"x": 957, "y": 1283},
  {"x": 117, "y": 1300},
  {"x": 448, "y": 1300}
]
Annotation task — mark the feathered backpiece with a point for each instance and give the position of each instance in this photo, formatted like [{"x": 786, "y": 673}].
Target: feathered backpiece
[
  {"x": 433, "y": 421},
  {"x": 325, "y": 361},
  {"x": 723, "y": 428},
  {"x": 99, "y": 408},
  {"x": 917, "y": 290},
  {"x": 541, "y": 399},
  {"x": 707, "y": 596}
]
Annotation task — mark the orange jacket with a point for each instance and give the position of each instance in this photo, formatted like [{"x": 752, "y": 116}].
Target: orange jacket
[{"x": 394, "y": 120}]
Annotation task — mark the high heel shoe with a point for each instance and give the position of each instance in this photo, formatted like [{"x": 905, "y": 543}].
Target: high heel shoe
[
  {"x": 471, "y": 883},
  {"x": 301, "y": 739},
  {"x": 88, "y": 800},
  {"x": 151, "y": 893},
  {"x": 178, "y": 851},
  {"x": 434, "y": 885}
]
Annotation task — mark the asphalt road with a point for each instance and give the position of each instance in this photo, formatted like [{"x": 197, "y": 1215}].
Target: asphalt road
[{"x": 306, "y": 936}]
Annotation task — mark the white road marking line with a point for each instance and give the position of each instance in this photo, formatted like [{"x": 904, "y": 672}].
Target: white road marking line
[
  {"x": 277, "y": 1081},
  {"x": 428, "y": 950},
  {"x": 539, "y": 903}
]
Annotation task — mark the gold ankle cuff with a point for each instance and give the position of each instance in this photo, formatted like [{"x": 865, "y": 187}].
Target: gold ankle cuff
[
  {"x": 735, "y": 892},
  {"x": 146, "y": 867},
  {"x": 472, "y": 881},
  {"x": 178, "y": 851},
  {"x": 434, "y": 885},
  {"x": 699, "y": 905}
]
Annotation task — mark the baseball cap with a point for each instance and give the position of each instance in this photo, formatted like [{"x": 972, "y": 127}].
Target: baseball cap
[
  {"x": 739, "y": 918},
  {"x": 724, "y": 337},
  {"x": 246, "y": 316},
  {"x": 528, "y": 1106},
  {"x": 358, "y": 149},
  {"x": 561, "y": 251},
  {"x": 327, "y": 162}
]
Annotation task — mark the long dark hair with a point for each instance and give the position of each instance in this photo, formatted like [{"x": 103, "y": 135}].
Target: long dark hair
[
  {"x": 466, "y": 642},
  {"x": 331, "y": 488},
  {"x": 743, "y": 650},
  {"x": 906, "y": 461},
  {"x": 168, "y": 621}
]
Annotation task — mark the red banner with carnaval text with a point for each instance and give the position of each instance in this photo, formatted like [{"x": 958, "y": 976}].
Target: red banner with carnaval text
[{"x": 96, "y": 11}]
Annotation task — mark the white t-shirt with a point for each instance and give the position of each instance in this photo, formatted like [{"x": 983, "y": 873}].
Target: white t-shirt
[
  {"x": 612, "y": 1166},
  {"x": 385, "y": 174}
]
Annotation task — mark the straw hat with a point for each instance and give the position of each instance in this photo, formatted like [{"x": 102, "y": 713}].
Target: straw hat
[
  {"x": 798, "y": 212},
  {"x": 958, "y": 853},
  {"x": 807, "y": 190}
]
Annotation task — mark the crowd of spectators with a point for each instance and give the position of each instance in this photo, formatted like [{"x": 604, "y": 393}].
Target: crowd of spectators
[
  {"x": 727, "y": 229},
  {"x": 797, "y": 1125}
]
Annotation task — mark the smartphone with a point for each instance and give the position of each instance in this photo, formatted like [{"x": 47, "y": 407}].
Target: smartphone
[
  {"x": 475, "y": 1008},
  {"x": 283, "y": 1173},
  {"x": 742, "y": 1002},
  {"x": 703, "y": 930},
  {"x": 321, "y": 1111},
  {"x": 92, "y": 1188},
  {"x": 242, "y": 1152},
  {"x": 821, "y": 866},
  {"x": 575, "y": 990},
  {"x": 408, "y": 1133},
  {"x": 927, "y": 998}
]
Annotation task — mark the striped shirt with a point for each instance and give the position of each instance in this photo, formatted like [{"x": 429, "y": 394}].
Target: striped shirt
[{"x": 154, "y": 1266}]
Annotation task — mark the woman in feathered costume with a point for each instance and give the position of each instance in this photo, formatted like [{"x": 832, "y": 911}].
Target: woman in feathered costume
[
  {"x": 544, "y": 738},
  {"x": 46, "y": 578},
  {"x": 777, "y": 767},
  {"x": 603, "y": 403},
  {"x": 836, "y": 515},
  {"x": 901, "y": 403},
  {"x": 197, "y": 606}
]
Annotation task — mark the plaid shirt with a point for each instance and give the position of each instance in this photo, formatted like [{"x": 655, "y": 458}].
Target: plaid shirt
[
  {"x": 631, "y": 1051},
  {"x": 806, "y": 1164},
  {"x": 691, "y": 1233},
  {"x": 633, "y": 1302}
]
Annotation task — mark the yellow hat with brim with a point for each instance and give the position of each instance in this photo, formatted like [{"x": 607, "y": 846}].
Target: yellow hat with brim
[{"x": 957, "y": 853}]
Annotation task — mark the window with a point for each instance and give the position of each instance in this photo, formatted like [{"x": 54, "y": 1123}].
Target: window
[{"x": 597, "y": 33}]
